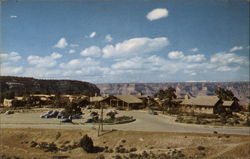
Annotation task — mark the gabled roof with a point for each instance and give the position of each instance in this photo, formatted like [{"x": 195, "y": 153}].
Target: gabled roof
[
  {"x": 128, "y": 98},
  {"x": 201, "y": 101},
  {"x": 98, "y": 98},
  {"x": 227, "y": 103}
]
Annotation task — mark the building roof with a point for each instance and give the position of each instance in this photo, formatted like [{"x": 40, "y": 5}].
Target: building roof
[
  {"x": 128, "y": 98},
  {"x": 98, "y": 98},
  {"x": 201, "y": 101},
  {"x": 227, "y": 103},
  {"x": 140, "y": 96}
]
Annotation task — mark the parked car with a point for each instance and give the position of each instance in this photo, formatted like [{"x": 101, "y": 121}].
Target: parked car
[
  {"x": 90, "y": 121},
  {"x": 9, "y": 112},
  {"x": 46, "y": 114},
  {"x": 151, "y": 112},
  {"x": 76, "y": 116},
  {"x": 50, "y": 114},
  {"x": 67, "y": 120},
  {"x": 53, "y": 114},
  {"x": 61, "y": 114}
]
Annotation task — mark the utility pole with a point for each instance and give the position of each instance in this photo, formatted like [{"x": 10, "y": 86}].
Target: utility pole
[{"x": 100, "y": 127}]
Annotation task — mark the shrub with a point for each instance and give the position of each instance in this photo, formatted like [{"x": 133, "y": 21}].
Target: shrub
[
  {"x": 201, "y": 148},
  {"x": 87, "y": 144}
]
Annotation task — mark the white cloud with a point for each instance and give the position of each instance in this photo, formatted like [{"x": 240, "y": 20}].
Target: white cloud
[
  {"x": 11, "y": 57},
  {"x": 227, "y": 68},
  {"x": 91, "y": 71},
  {"x": 92, "y": 35},
  {"x": 79, "y": 63},
  {"x": 13, "y": 16},
  {"x": 176, "y": 55},
  {"x": 228, "y": 58},
  {"x": 236, "y": 48},
  {"x": 62, "y": 43},
  {"x": 73, "y": 45},
  {"x": 91, "y": 51},
  {"x": 194, "y": 49},
  {"x": 47, "y": 61},
  {"x": 8, "y": 63},
  {"x": 8, "y": 69},
  {"x": 157, "y": 13},
  {"x": 72, "y": 51},
  {"x": 108, "y": 38},
  {"x": 135, "y": 46},
  {"x": 133, "y": 63},
  {"x": 195, "y": 58},
  {"x": 189, "y": 58},
  {"x": 40, "y": 72},
  {"x": 56, "y": 55}
]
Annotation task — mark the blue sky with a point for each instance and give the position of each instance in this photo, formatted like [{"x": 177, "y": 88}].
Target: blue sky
[{"x": 126, "y": 41}]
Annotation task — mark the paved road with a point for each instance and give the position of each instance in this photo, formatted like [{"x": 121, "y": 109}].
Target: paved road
[{"x": 144, "y": 122}]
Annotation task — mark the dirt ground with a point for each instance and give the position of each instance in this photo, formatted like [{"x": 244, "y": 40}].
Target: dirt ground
[{"x": 17, "y": 143}]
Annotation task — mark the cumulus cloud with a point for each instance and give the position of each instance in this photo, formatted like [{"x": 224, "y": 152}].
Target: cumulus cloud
[
  {"x": 41, "y": 72},
  {"x": 236, "y": 48},
  {"x": 13, "y": 16},
  {"x": 10, "y": 57},
  {"x": 9, "y": 63},
  {"x": 62, "y": 43},
  {"x": 133, "y": 63},
  {"x": 176, "y": 55},
  {"x": 79, "y": 63},
  {"x": 189, "y": 58},
  {"x": 56, "y": 55},
  {"x": 157, "y": 13},
  {"x": 195, "y": 58},
  {"x": 227, "y": 68},
  {"x": 47, "y": 61},
  {"x": 108, "y": 38},
  {"x": 91, "y": 51},
  {"x": 91, "y": 71},
  {"x": 73, "y": 45},
  {"x": 7, "y": 69},
  {"x": 228, "y": 58},
  {"x": 194, "y": 49},
  {"x": 135, "y": 46},
  {"x": 92, "y": 35},
  {"x": 72, "y": 51}
]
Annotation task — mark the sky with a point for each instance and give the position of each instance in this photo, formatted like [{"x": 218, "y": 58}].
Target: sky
[{"x": 126, "y": 41}]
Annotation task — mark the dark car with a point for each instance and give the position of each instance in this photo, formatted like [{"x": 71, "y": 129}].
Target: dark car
[
  {"x": 90, "y": 121},
  {"x": 53, "y": 114},
  {"x": 151, "y": 112},
  {"x": 76, "y": 116},
  {"x": 67, "y": 120},
  {"x": 61, "y": 114},
  {"x": 46, "y": 114}
]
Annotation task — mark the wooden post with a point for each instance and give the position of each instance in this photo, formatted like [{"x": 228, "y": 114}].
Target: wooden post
[{"x": 102, "y": 117}]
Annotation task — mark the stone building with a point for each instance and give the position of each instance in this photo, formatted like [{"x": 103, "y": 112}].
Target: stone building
[{"x": 201, "y": 104}]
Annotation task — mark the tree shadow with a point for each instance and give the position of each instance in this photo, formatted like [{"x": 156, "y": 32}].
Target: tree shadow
[
  {"x": 97, "y": 149},
  {"x": 107, "y": 132}
]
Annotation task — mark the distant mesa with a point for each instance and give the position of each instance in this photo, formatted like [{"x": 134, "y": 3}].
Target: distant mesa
[{"x": 28, "y": 85}]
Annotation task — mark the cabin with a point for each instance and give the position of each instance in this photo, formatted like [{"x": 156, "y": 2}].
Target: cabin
[
  {"x": 126, "y": 102},
  {"x": 231, "y": 105},
  {"x": 100, "y": 101},
  {"x": 202, "y": 104},
  {"x": 16, "y": 102},
  {"x": 7, "y": 102}
]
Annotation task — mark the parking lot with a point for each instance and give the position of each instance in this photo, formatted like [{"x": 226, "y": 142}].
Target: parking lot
[{"x": 144, "y": 122}]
